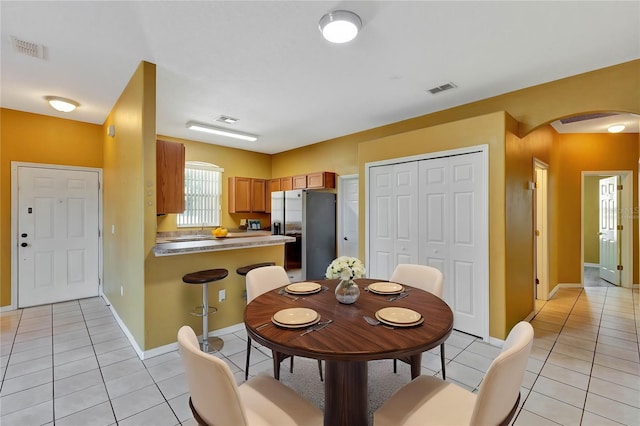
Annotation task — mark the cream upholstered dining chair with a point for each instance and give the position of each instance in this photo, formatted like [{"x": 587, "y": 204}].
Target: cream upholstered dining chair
[
  {"x": 429, "y": 400},
  {"x": 259, "y": 281},
  {"x": 425, "y": 278},
  {"x": 216, "y": 399}
]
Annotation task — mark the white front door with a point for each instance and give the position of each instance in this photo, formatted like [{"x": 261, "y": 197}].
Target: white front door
[
  {"x": 348, "y": 218},
  {"x": 393, "y": 207},
  {"x": 453, "y": 234},
  {"x": 609, "y": 230},
  {"x": 58, "y": 235}
]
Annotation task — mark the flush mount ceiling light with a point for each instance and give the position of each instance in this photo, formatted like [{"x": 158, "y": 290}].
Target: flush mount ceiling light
[
  {"x": 192, "y": 125},
  {"x": 62, "y": 104},
  {"x": 340, "y": 26},
  {"x": 617, "y": 128}
]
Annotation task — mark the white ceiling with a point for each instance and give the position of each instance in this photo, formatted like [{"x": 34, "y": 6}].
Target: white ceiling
[{"x": 266, "y": 63}]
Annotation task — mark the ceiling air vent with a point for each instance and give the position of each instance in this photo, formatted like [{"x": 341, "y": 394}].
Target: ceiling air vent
[
  {"x": 27, "y": 48},
  {"x": 442, "y": 88},
  {"x": 226, "y": 119},
  {"x": 584, "y": 117}
]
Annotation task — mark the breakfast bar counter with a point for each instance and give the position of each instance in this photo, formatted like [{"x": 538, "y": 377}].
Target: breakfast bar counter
[{"x": 172, "y": 247}]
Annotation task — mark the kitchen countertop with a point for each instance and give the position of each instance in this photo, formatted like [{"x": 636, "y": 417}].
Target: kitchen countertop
[{"x": 171, "y": 247}]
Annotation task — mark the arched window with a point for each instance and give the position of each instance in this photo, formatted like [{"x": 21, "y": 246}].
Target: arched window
[{"x": 202, "y": 195}]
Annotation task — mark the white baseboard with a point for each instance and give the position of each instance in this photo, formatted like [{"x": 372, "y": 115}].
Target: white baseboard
[
  {"x": 161, "y": 350},
  {"x": 124, "y": 328}
]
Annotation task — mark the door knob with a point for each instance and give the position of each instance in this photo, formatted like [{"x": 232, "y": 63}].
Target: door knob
[
  {"x": 24, "y": 245},
  {"x": 23, "y": 235},
  {"x": 346, "y": 239}
]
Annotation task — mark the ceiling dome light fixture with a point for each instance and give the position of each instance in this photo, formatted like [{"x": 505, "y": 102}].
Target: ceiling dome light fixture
[
  {"x": 340, "y": 26},
  {"x": 62, "y": 104},
  {"x": 616, "y": 128}
]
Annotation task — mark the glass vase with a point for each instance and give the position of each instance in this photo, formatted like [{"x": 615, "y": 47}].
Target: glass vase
[{"x": 347, "y": 292}]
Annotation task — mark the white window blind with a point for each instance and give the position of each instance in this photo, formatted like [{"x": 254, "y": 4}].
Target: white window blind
[{"x": 202, "y": 195}]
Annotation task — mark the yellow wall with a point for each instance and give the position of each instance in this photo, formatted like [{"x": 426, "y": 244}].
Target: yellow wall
[
  {"x": 235, "y": 162},
  {"x": 337, "y": 155},
  {"x": 129, "y": 198},
  {"x": 591, "y": 225},
  {"x": 37, "y": 138},
  {"x": 586, "y": 152},
  {"x": 170, "y": 301}
]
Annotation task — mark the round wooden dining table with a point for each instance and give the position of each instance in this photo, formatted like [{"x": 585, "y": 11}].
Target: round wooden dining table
[{"x": 349, "y": 342}]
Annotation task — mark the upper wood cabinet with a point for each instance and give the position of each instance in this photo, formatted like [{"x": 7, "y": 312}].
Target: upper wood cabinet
[
  {"x": 321, "y": 180},
  {"x": 274, "y": 185},
  {"x": 300, "y": 182},
  {"x": 259, "y": 195},
  {"x": 247, "y": 195},
  {"x": 170, "y": 162},
  {"x": 286, "y": 183}
]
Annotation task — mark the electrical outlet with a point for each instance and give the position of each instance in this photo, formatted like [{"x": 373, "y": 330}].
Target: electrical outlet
[{"x": 222, "y": 295}]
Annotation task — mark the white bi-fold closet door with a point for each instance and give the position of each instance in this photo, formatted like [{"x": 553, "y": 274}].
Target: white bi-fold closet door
[{"x": 434, "y": 212}]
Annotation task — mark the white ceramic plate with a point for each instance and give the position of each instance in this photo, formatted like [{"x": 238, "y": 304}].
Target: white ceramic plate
[
  {"x": 400, "y": 317},
  {"x": 317, "y": 320},
  {"x": 385, "y": 288},
  {"x": 303, "y": 288},
  {"x": 295, "y": 317}
]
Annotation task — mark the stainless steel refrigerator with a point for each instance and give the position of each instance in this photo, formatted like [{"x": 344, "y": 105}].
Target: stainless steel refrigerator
[{"x": 310, "y": 217}]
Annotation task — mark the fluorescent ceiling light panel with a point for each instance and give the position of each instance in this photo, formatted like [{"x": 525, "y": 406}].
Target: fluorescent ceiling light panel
[{"x": 192, "y": 125}]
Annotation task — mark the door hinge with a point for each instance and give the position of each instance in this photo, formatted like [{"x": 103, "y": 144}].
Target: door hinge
[
  {"x": 619, "y": 228},
  {"x": 620, "y": 267},
  {"x": 537, "y": 281},
  {"x": 619, "y": 187},
  {"x": 99, "y": 234}
]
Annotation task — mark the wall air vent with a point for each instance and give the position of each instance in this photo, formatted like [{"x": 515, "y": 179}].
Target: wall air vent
[
  {"x": 442, "y": 88},
  {"x": 28, "y": 48}
]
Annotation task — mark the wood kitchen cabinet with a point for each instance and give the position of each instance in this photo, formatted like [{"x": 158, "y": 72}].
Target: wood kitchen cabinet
[
  {"x": 274, "y": 185},
  {"x": 170, "y": 161},
  {"x": 247, "y": 195},
  {"x": 286, "y": 183},
  {"x": 321, "y": 180},
  {"x": 300, "y": 182}
]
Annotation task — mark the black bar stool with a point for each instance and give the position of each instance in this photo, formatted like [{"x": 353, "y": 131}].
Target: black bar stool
[
  {"x": 244, "y": 270},
  {"x": 204, "y": 278}
]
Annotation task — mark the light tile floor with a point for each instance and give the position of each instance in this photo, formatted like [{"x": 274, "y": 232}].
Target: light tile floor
[{"x": 70, "y": 364}]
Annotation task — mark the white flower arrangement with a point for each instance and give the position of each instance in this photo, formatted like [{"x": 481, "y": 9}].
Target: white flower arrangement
[{"x": 345, "y": 268}]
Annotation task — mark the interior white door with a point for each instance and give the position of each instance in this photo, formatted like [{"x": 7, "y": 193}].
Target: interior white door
[
  {"x": 541, "y": 238},
  {"x": 58, "y": 235},
  {"x": 609, "y": 230},
  {"x": 393, "y": 208},
  {"x": 348, "y": 221},
  {"x": 453, "y": 234}
]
